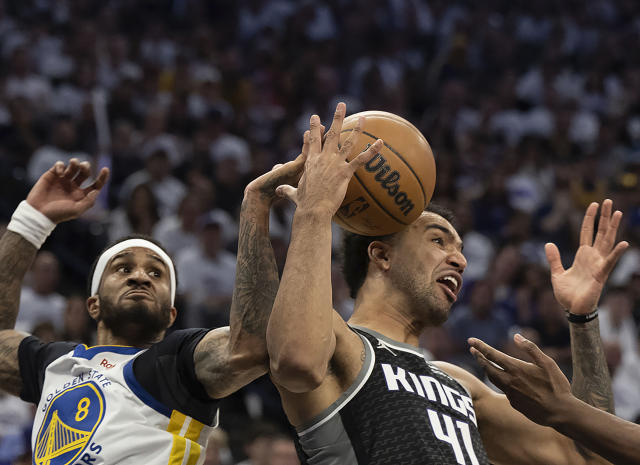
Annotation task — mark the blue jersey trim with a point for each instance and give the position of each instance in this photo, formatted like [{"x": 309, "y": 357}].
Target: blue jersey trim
[
  {"x": 82, "y": 351},
  {"x": 141, "y": 393}
]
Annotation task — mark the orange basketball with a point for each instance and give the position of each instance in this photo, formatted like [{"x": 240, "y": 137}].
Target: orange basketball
[{"x": 393, "y": 188}]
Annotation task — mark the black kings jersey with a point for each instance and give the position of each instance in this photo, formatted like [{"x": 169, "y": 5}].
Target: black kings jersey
[{"x": 400, "y": 410}]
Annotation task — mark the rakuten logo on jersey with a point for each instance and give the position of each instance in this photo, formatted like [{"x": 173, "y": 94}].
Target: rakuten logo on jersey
[
  {"x": 429, "y": 388},
  {"x": 105, "y": 363}
]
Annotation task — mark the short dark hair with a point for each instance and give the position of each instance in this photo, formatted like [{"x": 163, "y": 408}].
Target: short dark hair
[
  {"x": 122, "y": 239},
  {"x": 355, "y": 256}
]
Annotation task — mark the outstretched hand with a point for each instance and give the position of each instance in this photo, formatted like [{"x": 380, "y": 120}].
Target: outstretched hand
[
  {"x": 58, "y": 193},
  {"x": 578, "y": 288},
  {"x": 327, "y": 172},
  {"x": 538, "y": 389}
]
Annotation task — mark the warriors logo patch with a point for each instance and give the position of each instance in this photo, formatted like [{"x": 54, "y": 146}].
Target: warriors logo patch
[{"x": 69, "y": 423}]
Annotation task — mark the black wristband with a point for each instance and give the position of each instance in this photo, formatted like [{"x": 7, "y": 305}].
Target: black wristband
[{"x": 573, "y": 318}]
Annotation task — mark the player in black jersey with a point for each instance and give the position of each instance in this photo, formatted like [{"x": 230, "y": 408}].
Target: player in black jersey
[
  {"x": 361, "y": 393},
  {"x": 132, "y": 291}
]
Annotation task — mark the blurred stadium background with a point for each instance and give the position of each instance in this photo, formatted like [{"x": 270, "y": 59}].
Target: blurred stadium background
[{"x": 532, "y": 109}]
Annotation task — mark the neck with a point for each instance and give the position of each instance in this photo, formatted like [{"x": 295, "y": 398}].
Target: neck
[
  {"x": 130, "y": 337},
  {"x": 382, "y": 310}
]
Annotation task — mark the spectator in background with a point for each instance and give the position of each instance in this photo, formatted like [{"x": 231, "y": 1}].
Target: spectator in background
[
  {"x": 282, "y": 451},
  {"x": 167, "y": 189},
  {"x": 40, "y": 302},
  {"x": 78, "y": 326},
  {"x": 62, "y": 147},
  {"x": 552, "y": 328},
  {"x": 139, "y": 214},
  {"x": 178, "y": 232},
  {"x": 207, "y": 273},
  {"x": 257, "y": 443},
  {"x": 479, "y": 317}
]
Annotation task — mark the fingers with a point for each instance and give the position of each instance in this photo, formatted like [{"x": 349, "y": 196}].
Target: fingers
[
  {"x": 71, "y": 170},
  {"x": 603, "y": 223},
  {"x": 539, "y": 357},
  {"x": 553, "y": 257},
  {"x": 305, "y": 143},
  {"x": 367, "y": 155},
  {"x": 497, "y": 376},
  {"x": 99, "y": 182},
  {"x": 347, "y": 146},
  {"x": 333, "y": 135},
  {"x": 501, "y": 359},
  {"x": 84, "y": 171},
  {"x": 315, "y": 138},
  {"x": 611, "y": 233},
  {"x": 614, "y": 256},
  {"x": 57, "y": 168},
  {"x": 287, "y": 192},
  {"x": 586, "y": 231}
]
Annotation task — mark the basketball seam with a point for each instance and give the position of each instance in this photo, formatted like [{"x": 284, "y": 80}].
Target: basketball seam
[
  {"x": 424, "y": 196},
  {"x": 355, "y": 175}
]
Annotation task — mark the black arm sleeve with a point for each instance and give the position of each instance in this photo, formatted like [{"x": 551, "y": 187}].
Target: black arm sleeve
[
  {"x": 34, "y": 356},
  {"x": 167, "y": 371}
]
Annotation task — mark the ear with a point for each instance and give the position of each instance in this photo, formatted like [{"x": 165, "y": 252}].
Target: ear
[
  {"x": 93, "y": 306},
  {"x": 172, "y": 316},
  {"x": 379, "y": 255}
]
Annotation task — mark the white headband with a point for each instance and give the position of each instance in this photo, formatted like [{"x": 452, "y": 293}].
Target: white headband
[{"x": 119, "y": 247}]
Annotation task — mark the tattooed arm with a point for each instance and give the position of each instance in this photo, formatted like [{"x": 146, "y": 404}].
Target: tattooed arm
[
  {"x": 578, "y": 290},
  {"x": 16, "y": 256},
  {"x": 57, "y": 195},
  {"x": 227, "y": 360}
]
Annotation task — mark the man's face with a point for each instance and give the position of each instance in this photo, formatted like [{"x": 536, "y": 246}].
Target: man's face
[
  {"x": 135, "y": 292},
  {"x": 427, "y": 265}
]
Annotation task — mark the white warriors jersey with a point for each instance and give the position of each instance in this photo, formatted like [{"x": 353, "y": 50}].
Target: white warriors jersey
[{"x": 93, "y": 409}]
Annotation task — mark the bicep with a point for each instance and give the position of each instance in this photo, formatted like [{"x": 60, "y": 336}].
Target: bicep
[
  {"x": 10, "y": 379},
  {"x": 217, "y": 370},
  {"x": 508, "y": 436}
]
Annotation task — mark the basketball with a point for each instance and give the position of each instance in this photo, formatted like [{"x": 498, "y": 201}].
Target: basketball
[{"x": 393, "y": 188}]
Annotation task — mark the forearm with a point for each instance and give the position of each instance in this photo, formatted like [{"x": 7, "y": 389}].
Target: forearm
[
  {"x": 300, "y": 332},
  {"x": 16, "y": 256},
  {"x": 591, "y": 381},
  {"x": 613, "y": 438},
  {"x": 256, "y": 285}
]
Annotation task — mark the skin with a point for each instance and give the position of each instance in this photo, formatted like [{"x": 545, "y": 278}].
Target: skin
[
  {"x": 540, "y": 391},
  {"x": 315, "y": 357},
  {"x": 133, "y": 306}
]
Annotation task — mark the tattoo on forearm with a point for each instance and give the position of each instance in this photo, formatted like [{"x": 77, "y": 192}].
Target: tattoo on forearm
[
  {"x": 591, "y": 380},
  {"x": 16, "y": 256},
  {"x": 10, "y": 380},
  {"x": 256, "y": 276}
]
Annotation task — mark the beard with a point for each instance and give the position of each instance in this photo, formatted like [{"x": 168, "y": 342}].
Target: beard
[
  {"x": 139, "y": 322},
  {"x": 425, "y": 304}
]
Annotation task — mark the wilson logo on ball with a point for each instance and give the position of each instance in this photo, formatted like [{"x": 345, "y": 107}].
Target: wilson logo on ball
[{"x": 390, "y": 181}]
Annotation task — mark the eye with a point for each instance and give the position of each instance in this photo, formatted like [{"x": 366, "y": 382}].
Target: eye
[
  {"x": 123, "y": 269},
  {"x": 438, "y": 240},
  {"x": 155, "y": 273}
]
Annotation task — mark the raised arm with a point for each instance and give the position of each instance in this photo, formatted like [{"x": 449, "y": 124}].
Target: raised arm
[
  {"x": 300, "y": 335},
  {"x": 56, "y": 197},
  {"x": 228, "y": 359},
  {"x": 541, "y": 392},
  {"x": 578, "y": 290}
]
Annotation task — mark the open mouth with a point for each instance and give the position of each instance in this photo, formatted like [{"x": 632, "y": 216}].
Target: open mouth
[{"x": 451, "y": 285}]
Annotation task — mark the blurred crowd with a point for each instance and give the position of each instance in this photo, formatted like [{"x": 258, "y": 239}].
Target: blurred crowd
[{"x": 532, "y": 110}]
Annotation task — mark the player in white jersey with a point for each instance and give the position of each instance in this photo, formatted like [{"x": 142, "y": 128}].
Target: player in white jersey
[
  {"x": 137, "y": 397},
  {"x": 360, "y": 393}
]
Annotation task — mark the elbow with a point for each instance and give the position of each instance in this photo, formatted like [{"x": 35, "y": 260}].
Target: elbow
[{"x": 297, "y": 373}]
